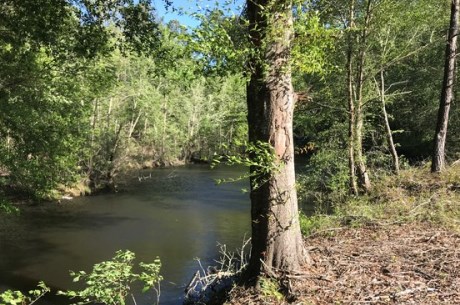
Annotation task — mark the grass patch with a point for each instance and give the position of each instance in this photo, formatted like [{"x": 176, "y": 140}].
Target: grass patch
[
  {"x": 270, "y": 290},
  {"x": 415, "y": 196}
]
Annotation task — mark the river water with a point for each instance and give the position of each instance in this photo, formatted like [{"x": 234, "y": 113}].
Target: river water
[{"x": 177, "y": 214}]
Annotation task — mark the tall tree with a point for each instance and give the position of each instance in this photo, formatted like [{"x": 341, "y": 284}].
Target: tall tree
[
  {"x": 351, "y": 102},
  {"x": 356, "y": 55},
  {"x": 276, "y": 237},
  {"x": 447, "y": 91},
  {"x": 389, "y": 134},
  {"x": 363, "y": 176}
]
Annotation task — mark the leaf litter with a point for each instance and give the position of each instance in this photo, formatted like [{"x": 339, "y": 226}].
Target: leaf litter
[{"x": 396, "y": 264}]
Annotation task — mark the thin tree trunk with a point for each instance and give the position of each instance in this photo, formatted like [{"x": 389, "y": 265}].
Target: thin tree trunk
[
  {"x": 230, "y": 138},
  {"x": 109, "y": 115},
  {"x": 112, "y": 168},
  {"x": 351, "y": 105},
  {"x": 389, "y": 134},
  {"x": 363, "y": 175},
  {"x": 163, "y": 133},
  {"x": 447, "y": 95},
  {"x": 94, "y": 120},
  {"x": 276, "y": 237},
  {"x": 144, "y": 133},
  {"x": 133, "y": 124}
]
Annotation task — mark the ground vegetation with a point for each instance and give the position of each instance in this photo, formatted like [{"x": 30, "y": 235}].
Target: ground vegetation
[{"x": 396, "y": 245}]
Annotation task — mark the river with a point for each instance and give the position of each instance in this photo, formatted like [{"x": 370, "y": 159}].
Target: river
[{"x": 178, "y": 214}]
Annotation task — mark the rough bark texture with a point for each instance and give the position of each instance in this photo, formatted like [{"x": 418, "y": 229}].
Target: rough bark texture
[
  {"x": 276, "y": 237},
  {"x": 438, "y": 159}
]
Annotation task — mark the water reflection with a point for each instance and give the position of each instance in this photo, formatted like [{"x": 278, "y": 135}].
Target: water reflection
[{"x": 177, "y": 214}]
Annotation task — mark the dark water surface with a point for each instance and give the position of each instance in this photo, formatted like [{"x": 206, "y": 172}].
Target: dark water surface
[{"x": 177, "y": 214}]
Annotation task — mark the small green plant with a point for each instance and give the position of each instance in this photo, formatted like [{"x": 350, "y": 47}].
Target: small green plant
[
  {"x": 110, "y": 281},
  {"x": 315, "y": 223},
  {"x": 270, "y": 289},
  {"x": 16, "y": 297}
]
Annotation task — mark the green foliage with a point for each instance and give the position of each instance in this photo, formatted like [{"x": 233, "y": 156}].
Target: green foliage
[
  {"x": 38, "y": 122},
  {"x": 324, "y": 180},
  {"x": 270, "y": 289},
  {"x": 110, "y": 281},
  {"x": 328, "y": 171},
  {"x": 259, "y": 157},
  {"x": 220, "y": 42},
  {"x": 313, "y": 41},
  {"x": 405, "y": 41},
  {"x": 94, "y": 88},
  {"x": 314, "y": 223},
  {"x": 164, "y": 117},
  {"x": 413, "y": 197},
  {"x": 47, "y": 50},
  {"x": 10, "y": 297},
  {"x": 74, "y": 107},
  {"x": 7, "y": 207}
]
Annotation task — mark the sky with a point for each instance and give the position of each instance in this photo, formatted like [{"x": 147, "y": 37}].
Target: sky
[{"x": 191, "y": 6}]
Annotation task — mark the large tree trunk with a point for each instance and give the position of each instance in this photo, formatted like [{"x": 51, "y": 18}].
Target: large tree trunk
[
  {"x": 276, "y": 237},
  {"x": 438, "y": 158}
]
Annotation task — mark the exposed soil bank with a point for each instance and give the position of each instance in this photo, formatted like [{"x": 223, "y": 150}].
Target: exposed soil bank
[{"x": 396, "y": 264}]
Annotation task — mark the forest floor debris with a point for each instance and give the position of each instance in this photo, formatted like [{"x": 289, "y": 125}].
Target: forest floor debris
[{"x": 395, "y": 264}]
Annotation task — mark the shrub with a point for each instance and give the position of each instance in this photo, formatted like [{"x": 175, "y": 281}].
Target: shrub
[
  {"x": 11, "y": 297},
  {"x": 110, "y": 281}
]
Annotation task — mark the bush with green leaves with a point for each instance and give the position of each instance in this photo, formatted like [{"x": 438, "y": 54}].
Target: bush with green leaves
[
  {"x": 258, "y": 156},
  {"x": 10, "y": 297},
  {"x": 325, "y": 173},
  {"x": 7, "y": 207},
  {"x": 110, "y": 281}
]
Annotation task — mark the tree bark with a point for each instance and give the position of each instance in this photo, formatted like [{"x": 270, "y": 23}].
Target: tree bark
[
  {"x": 163, "y": 132},
  {"x": 391, "y": 144},
  {"x": 351, "y": 104},
  {"x": 447, "y": 95},
  {"x": 363, "y": 176},
  {"x": 276, "y": 237}
]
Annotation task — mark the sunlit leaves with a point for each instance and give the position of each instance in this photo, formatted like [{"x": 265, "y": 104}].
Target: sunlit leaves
[
  {"x": 313, "y": 42},
  {"x": 110, "y": 281},
  {"x": 259, "y": 156},
  {"x": 7, "y": 207},
  {"x": 48, "y": 49},
  {"x": 129, "y": 25},
  {"x": 220, "y": 42},
  {"x": 10, "y": 297}
]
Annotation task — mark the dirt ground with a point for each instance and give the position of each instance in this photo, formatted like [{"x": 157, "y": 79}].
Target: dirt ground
[{"x": 397, "y": 264}]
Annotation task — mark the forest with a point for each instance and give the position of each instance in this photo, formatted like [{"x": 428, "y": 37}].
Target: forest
[
  {"x": 362, "y": 91},
  {"x": 80, "y": 102}
]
